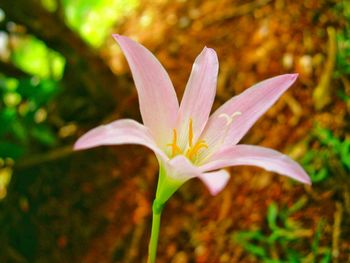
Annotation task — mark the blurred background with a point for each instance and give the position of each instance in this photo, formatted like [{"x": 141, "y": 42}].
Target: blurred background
[{"x": 61, "y": 74}]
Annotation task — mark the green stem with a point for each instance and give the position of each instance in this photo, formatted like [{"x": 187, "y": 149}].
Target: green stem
[
  {"x": 166, "y": 187},
  {"x": 152, "y": 249}
]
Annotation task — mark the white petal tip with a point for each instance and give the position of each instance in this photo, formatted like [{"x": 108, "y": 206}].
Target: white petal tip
[
  {"x": 211, "y": 51},
  {"x": 215, "y": 181},
  {"x": 215, "y": 192},
  {"x": 78, "y": 146},
  {"x": 293, "y": 76},
  {"x": 306, "y": 181},
  {"x": 208, "y": 51},
  {"x": 302, "y": 176},
  {"x": 119, "y": 38},
  {"x": 82, "y": 145}
]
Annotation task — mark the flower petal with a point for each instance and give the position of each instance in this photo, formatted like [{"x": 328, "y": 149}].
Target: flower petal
[
  {"x": 158, "y": 102},
  {"x": 181, "y": 169},
  {"x": 199, "y": 95},
  {"x": 215, "y": 181},
  {"x": 123, "y": 131},
  {"x": 233, "y": 119},
  {"x": 268, "y": 159}
]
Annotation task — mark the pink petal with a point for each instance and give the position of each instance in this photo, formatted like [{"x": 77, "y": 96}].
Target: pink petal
[
  {"x": 268, "y": 159},
  {"x": 119, "y": 132},
  {"x": 157, "y": 97},
  {"x": 181, "y": 169},
  {"x": 215, "y": 181},
  {"x": 250, "y": 105},
  {"x": 199, "y": 94}
]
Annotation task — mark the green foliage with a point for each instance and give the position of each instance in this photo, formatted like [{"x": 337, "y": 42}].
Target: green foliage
[
  {"x": 279, "y": 243},
  {"x": 94, "y": 19},
  {"x": 341, "y": 148},
  {"x": 34, "y": 57},
  {"x": 50, "y": 5},
  {"x": 317, "y": 161},
  {"x": 343, "y": 96},
  {"x": 343, "y": 40},
  {"x": 343, "y": 54},
  {"x": 23, "y": 111}
]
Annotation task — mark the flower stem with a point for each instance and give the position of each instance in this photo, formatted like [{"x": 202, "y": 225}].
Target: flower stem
[{"x": 156, "y": 214}]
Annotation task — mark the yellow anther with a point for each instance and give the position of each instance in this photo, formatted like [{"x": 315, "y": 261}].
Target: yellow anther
[
  {"x": 191, "y": 152},
  {"x": 192, "y": 149},
  {"x": 190, "y": 133},
  {"x": 174, "y": 147}
]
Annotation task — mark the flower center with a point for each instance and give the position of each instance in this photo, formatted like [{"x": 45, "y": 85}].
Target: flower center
[{"x": 192, "y": 149}]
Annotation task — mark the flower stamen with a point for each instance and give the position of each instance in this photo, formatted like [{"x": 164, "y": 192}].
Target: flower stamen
[
  {"x": 190, "y": 133},
  {"x": 174, "y": 147},
  {"x": 192, "y": 149},
  {"x": 191, "y": 152}
]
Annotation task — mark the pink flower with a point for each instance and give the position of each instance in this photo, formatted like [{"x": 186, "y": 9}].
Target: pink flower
[{"x": 187, "y": 142}]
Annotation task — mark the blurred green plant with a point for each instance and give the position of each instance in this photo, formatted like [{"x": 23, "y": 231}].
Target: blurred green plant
[
  {"x": 23, "y": 118},
  {"x": 343, "y": 41},
  {"x": 317, "y": 161},
  {"x": 34, "y": 57},
  {"x": 24, "y": 103},
  {"x": 94, "y": 19},
  {"x": 343, "y": 54},
  {"x": 23, "y": 113},
  {"x": 282, "y": 237}
]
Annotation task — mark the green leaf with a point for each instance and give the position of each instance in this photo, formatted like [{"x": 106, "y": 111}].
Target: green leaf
[
  {"x": 255, "y": 250},
  {"x": 297, "y": 205},
  {"x": 317, "y": 237},
  {"x": 7, "y": 117},
  {"x": 249, "y": 235},
  {"x": 20, "y": 131},
  {"x": 10, "y": 150},
  {"x": 327, "y": 257},
  {"x": 94, "y": 19},
  {"x": 38, "y": 91},
  {"x": 345, "y": 153},
  {"x": 308, "y": 157},
  {"x": 319, "y": 175},
  {"x": 33, "y": 56},
  {"x": 44, "y": 135},
  {"x": 293, "y": 256},
  {"x": 272, "y": 213},
  {"x": 49, "y": 5}
]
